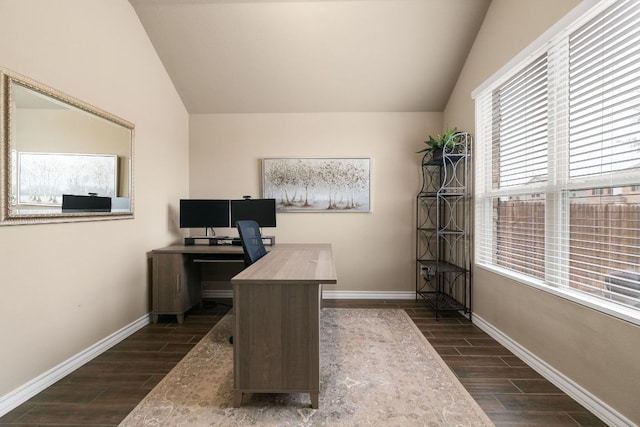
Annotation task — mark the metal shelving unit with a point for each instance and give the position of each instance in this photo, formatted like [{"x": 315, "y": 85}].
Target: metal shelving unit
[{"x": 443, "y": 270}]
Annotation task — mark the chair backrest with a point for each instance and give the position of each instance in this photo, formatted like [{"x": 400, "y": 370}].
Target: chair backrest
[{"x": 251, "y": 240}]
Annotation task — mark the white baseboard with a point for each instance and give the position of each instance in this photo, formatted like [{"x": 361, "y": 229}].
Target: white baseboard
[
  {"x": 368, "y": 295},
  {"x": 599, "y": 408},
  {"x": 25, "y": 392},
  {"x": 606, "y": 413},
  {"x": 331, "y": 294}
]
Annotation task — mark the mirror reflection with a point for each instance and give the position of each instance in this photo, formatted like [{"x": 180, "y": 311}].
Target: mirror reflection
[{"x": 64, "y": 160}]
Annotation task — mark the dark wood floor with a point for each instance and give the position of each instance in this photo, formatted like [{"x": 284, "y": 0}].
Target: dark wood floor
[{"x": 105, "y": 390}]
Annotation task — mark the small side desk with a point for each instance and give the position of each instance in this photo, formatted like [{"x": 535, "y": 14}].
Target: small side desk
[
  {"x": 277, "y": 303},
  {"x": 176, "y": 285}
]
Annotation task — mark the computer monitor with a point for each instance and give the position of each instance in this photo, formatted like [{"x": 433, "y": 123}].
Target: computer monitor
[
  {"x": 262, "y": 211},
  {"x": 81, "y": 203},
  {"x": 204, "y": 213}
]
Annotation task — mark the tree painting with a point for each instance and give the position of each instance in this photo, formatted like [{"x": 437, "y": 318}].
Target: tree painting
[
  {"x": 42, "y": 178},
  {"x": 317, "y": 184}
]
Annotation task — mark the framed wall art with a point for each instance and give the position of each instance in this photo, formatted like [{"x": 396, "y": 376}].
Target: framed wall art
[
  {"x": 318, "y": 184},
  {"x": 42, "y": 178}
]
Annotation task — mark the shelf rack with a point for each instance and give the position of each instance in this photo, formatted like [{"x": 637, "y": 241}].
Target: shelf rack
[{"x": 443, "y": 270}]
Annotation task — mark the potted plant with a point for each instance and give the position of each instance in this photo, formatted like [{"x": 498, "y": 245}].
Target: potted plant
[{"x": 445, "y": 142}]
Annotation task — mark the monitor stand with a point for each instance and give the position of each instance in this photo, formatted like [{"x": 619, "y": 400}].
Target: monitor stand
[
  {"x": 209, "y": 240},
  {"x": 223, "y": 240}
]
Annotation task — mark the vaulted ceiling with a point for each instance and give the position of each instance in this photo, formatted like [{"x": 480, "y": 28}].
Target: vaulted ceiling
[{"x": 288, "y": 56}]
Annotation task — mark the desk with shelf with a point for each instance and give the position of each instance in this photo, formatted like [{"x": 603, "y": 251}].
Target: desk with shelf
[
  {"x": 176, "y": 275},
  {"x": 276, "y": 304}
]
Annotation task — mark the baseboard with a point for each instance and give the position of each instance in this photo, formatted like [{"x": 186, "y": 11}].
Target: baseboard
[
  {"x": 389, "y": 295},
  {"x": 607, "y": 414},
  {"x": 25, "y": 392},
  {"x": 599, "y": 408}
]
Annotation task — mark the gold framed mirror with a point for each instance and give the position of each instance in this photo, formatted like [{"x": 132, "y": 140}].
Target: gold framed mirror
[{"x": 61, "y": 159}]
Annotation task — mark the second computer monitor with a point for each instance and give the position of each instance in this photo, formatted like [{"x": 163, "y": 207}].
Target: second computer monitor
[{"x": 262, "y": 211}]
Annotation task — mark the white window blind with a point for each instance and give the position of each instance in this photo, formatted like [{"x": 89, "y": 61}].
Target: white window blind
[
  {"x": 558, "y": 163},
  {"x": 604, "y": 75},
  {"x": 520, "y": 127}
]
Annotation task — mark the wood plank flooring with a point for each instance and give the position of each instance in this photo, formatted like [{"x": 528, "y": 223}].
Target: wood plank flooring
[{"x": 105, "y": 390}]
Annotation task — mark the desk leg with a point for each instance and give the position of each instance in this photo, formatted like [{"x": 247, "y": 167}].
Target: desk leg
[
  {"x": 314, "y": 399},
  {"x": 237, "y": 399},
  {"x": 180, "y": 318}
]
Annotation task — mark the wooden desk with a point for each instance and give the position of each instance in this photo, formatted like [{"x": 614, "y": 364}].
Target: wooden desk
[
  {"x": 176, "y": 275},
  {"x": 277, "y": 303}
]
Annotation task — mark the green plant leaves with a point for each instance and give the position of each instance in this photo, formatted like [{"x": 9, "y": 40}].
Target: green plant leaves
[{"x": 447, "y": 140}]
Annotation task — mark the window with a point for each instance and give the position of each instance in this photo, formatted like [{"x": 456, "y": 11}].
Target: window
[{"x": 558, "y": 164}]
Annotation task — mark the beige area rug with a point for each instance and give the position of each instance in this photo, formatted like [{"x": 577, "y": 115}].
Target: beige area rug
[{"x": 376, "y": 369}]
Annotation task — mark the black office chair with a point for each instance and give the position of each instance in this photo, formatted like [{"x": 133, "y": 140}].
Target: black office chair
[
  {"x": 251, "y": 240},
  {"x": 252, "y": 245}
]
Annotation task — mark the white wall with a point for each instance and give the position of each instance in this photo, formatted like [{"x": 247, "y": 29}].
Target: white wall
[
  {"x": 596, "y": 351},
  {"x": 67, "y": 286},
  {"x": 373, "y": 251}
]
